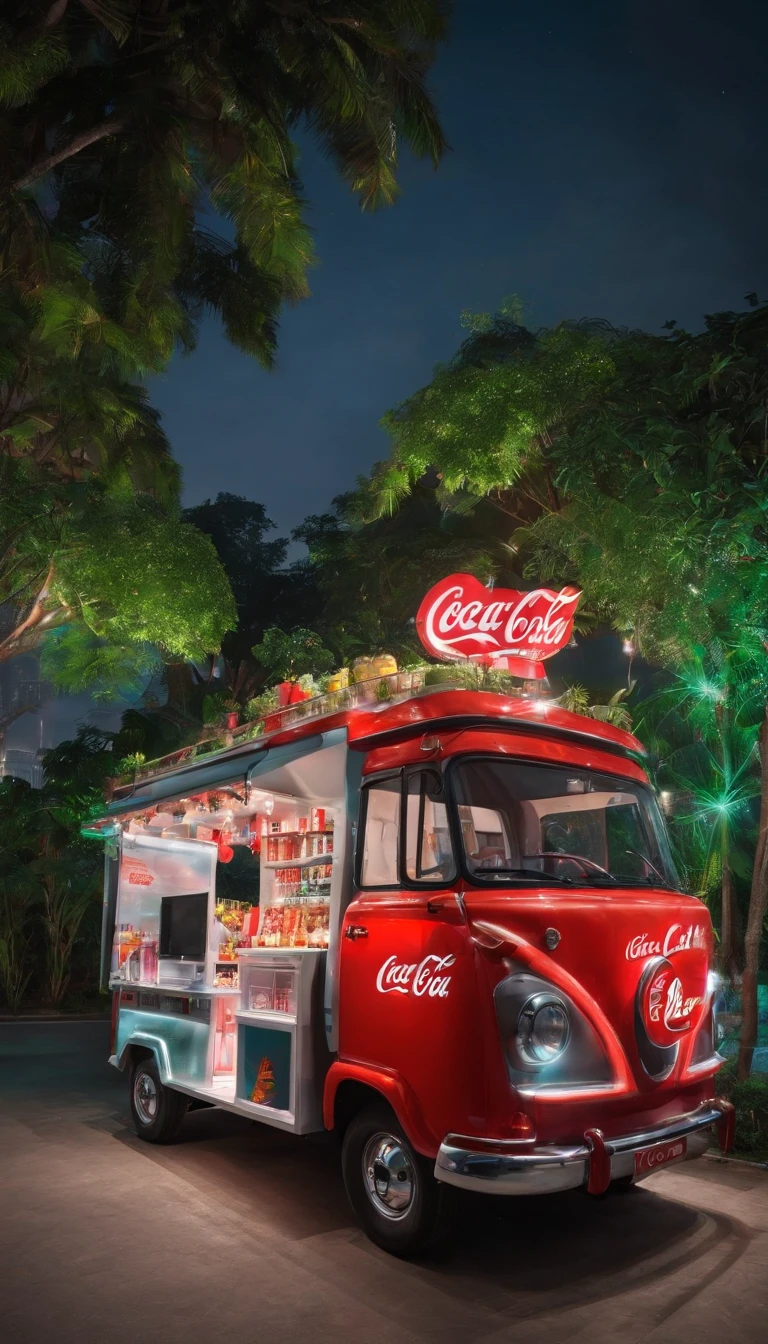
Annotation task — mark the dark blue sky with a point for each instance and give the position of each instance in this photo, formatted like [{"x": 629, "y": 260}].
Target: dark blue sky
[{"x": 608, "y": 159}]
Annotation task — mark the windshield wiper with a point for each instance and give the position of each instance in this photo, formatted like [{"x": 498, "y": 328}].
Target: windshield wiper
[
  {"x": 644, "y": 859},
  {"x": 588, "y": 865},
  {"x": 543, "y": 878}
]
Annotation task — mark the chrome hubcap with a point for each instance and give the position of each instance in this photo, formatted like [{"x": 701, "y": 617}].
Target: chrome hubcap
[
  {"x": 145, "y": 1097},
  {"x": 389, "y": 1175}
]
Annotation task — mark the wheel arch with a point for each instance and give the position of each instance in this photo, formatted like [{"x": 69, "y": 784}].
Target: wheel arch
[
  {"x": 349, "y": 1087},
  {"x": 142, "y": 1045}
]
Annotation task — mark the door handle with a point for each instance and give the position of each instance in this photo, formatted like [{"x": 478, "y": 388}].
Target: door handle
[
  {"x": 437, "y": 903},
  {"x": 354, "y": 931}
]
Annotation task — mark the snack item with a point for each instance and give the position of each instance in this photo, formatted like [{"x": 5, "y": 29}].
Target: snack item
[
  {"x": 260, "y": 999},
  {"x": 272, "y": 927},
  {"x": 264, "y": 1086}
]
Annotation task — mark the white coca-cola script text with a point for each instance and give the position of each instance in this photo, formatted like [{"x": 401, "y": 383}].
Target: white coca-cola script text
[
  {"x": 459, "y": 618},
  {"x": 419, "y": 978},
  {"x": 676, "y": 939}
]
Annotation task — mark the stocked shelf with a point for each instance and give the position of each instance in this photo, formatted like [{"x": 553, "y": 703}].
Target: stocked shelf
[
  {"x": 297, "y": 835},
  {"x": 313, "y": 861}
]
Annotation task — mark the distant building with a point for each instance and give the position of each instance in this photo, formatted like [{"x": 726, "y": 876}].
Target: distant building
[{"x": 33, "y": 718}]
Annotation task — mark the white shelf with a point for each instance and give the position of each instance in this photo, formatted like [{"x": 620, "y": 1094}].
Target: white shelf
[
  {"x": 197, "y": 991},
  {"x": 246, "y": 1015},
  {"x": 316, "y": 861},
  {"x": 279, "y": 951}
]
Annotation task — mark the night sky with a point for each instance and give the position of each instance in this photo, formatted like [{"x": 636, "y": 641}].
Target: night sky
[{"x": 608, "y": 159}]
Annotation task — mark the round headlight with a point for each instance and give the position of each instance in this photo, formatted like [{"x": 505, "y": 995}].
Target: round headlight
[{"x": 542, "y": 1029}]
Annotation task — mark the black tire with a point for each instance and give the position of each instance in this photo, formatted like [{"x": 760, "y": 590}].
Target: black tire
[
  {"x": 156, "y": 1110},
  {"x": 391, "y": 1187}
]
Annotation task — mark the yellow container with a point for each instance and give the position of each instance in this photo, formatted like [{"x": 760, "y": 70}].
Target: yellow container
[
  {"x": 339, "y": 681},
  {"x": 384, "y": 665},
  {"x": 363, "y": 669}
]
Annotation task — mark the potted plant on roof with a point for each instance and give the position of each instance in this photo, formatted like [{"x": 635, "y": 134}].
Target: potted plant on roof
[{"x": 295, "y": 659}]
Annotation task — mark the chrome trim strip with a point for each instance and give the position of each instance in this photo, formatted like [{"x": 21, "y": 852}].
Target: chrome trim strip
[
  {"x": 714, "y": 1062},
  {"x": 554, "y": 1168}
]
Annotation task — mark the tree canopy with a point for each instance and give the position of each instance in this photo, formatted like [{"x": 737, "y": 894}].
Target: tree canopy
[
  {"x": 122, "y": 122},
  {"x": 110, "y": 576},
  {"x": 634, "y": 465}
]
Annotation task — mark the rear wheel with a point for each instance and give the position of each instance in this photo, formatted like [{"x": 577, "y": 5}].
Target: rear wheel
[
  {"x": 391, "y": 1187},
  {"x": 157, "y": 1110}
]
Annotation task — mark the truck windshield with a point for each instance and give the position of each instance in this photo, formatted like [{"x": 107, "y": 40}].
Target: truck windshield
[{"x": 522, "y": 822}]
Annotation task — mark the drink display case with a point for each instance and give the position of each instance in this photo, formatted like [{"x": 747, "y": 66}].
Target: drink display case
[
  {"x": 296, "y": 878},
  {"x": 281, "y": 1054}
]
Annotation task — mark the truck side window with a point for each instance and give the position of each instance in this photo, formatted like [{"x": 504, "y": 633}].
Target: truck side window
[
  {"x": 381, "y": 840},
  {"x": 428, "y": 849}
]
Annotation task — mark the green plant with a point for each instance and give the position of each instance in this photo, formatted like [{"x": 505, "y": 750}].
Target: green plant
[
  {"x": 217, "y": 705},
  {"x": 750, "y": 1097},
  {"x": 132, "y": 763},
  {"x": 613, "y": 711},
  {"x": 310, "y": 684},
  {"x": 287, "y": 657},
  {"x": 437, "y": 676},
  {"x": 17, "y": 904},
  {"x": 70, "y": 884},
  {"x": 263, "y": 704}
]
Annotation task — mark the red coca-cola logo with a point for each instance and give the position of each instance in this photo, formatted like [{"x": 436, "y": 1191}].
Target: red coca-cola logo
[
  {"x": 667, "y": 1006},
  {"x": 459, "y": 618}
]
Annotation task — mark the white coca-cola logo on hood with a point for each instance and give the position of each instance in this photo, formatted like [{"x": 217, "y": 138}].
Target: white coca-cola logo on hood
[
  {"x": 678, "y": 938},
  {"x": 422, "y": 979},
  {"x": 459, "y": 618},
  {"x": 666, "y": 1009}
]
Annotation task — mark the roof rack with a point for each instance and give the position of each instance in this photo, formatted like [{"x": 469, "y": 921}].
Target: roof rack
[{"x": 381, "y": 691}]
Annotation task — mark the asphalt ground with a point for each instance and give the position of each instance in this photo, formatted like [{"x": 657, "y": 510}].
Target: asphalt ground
[{"x": 241, "y": 1233}]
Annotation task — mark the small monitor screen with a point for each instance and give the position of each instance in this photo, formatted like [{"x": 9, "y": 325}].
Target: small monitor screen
[{"x": 183, "y": 922}]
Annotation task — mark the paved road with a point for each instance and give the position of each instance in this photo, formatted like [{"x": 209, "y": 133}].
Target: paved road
[{"x": 241, "y": 1233}]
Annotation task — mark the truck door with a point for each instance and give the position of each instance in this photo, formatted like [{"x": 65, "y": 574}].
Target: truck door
[{"x": 407, "y": 985}]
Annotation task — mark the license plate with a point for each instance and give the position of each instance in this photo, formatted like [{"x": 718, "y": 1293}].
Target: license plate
[{"x": 650, "y": 1159}]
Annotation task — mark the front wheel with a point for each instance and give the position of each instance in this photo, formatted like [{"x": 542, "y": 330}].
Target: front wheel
[
  {"x": 157, "y": 1111},
  {"x": 391, "y": 1187}
]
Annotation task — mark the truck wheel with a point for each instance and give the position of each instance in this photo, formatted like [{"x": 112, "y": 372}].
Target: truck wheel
[
  {"x": 157, "y": 1110},
  {"x": 391, "y": 1187}
]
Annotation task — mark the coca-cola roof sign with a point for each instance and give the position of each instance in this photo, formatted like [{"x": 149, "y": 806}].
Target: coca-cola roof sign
[{"x": 461, "y": 619}]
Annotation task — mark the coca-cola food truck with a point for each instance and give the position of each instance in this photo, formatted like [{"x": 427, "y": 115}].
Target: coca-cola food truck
[{"x": 439, "y": 920}]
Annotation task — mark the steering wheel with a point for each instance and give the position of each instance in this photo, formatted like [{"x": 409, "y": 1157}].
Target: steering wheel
[{"x": 588, "y": 864}]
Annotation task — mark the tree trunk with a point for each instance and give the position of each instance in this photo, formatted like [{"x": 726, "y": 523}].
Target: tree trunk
[
  {"x": 28, "y": 634},
  {"x": 728, "y": 954},
  {"x": 113, "y": 126},
  {"x": 729, "y": 942},
  {"x": 758, "y": 900}
]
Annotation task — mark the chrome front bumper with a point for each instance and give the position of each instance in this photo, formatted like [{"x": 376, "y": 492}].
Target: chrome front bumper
[{"x": 500, "y": 1168}]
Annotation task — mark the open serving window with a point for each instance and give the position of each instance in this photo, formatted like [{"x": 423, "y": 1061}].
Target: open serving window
[{"x": 227, "y": 903}]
